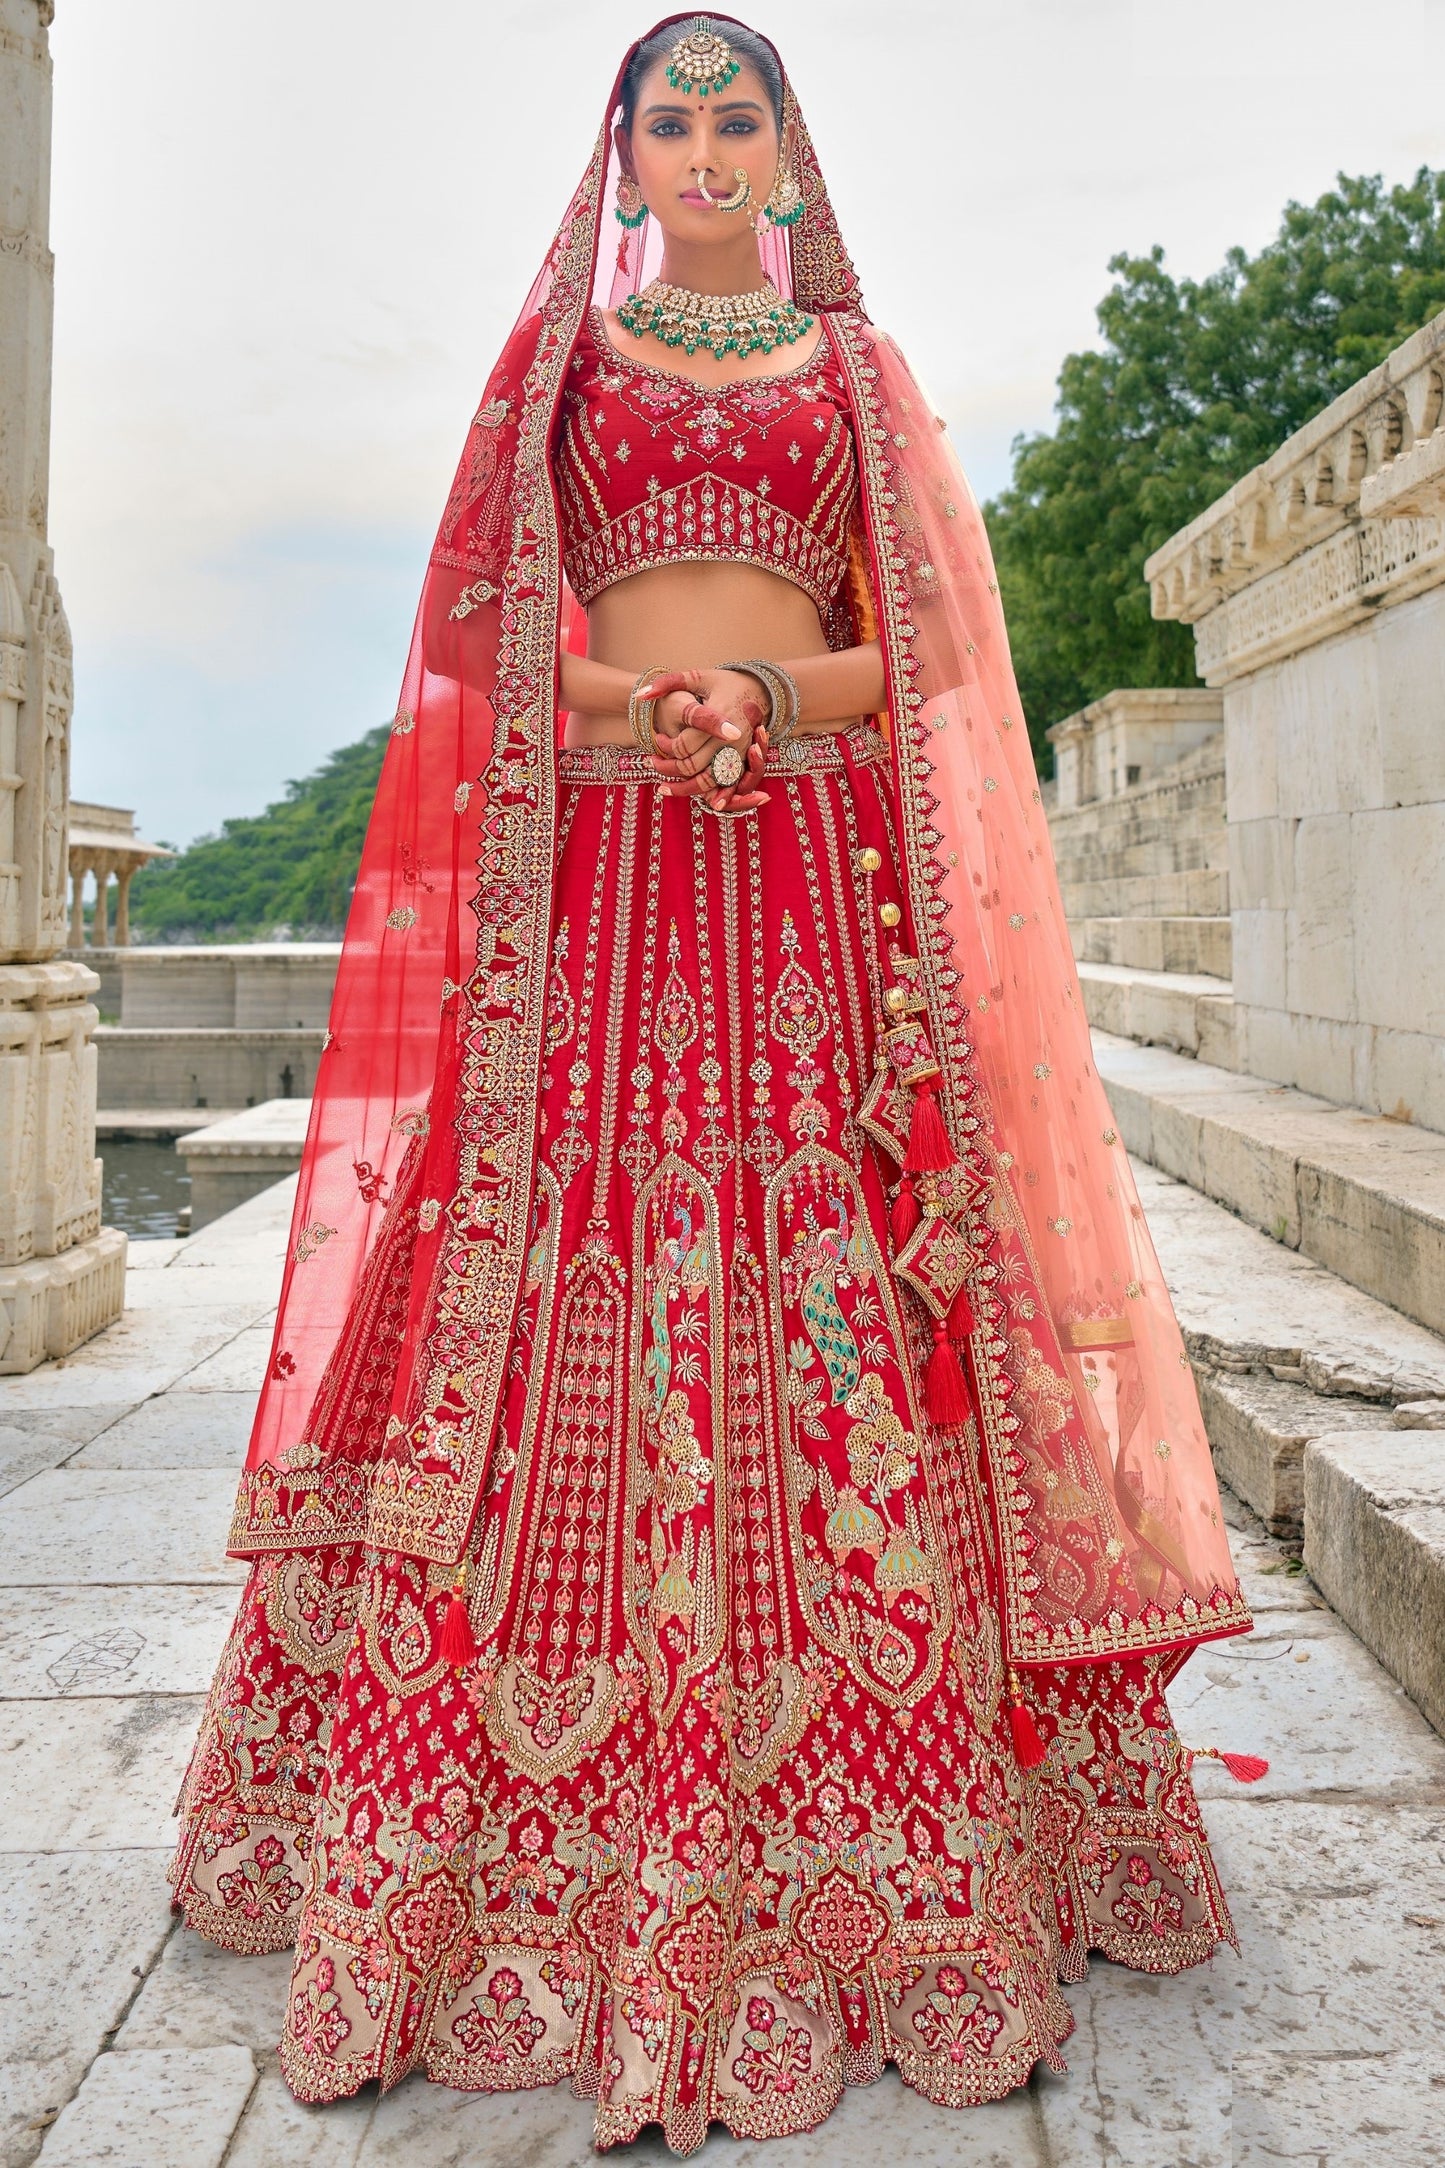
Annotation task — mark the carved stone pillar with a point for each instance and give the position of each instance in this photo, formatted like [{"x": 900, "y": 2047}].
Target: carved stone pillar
[
  {"x": 123, "y": 878},
  {"x": 62, "y": 1276},
  {"x": 100, "y": 924},
  {"x": 77, "y": 905}
]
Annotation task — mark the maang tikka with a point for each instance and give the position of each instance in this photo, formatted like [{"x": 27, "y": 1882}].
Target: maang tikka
[{"x": 701, "y": 60}]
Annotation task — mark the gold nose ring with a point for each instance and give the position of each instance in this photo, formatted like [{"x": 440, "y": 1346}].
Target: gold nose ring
[{"x": 741, "y": 195}]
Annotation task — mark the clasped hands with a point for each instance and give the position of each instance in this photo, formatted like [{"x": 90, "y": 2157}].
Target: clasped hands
[{"x": 695, "y": 712}]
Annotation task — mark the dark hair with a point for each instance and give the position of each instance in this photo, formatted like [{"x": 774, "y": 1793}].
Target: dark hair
[{"x": 744, "y": 42}]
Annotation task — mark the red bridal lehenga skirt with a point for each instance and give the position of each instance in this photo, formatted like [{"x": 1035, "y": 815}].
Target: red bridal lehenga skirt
[{"x": 725, "y": 1815}]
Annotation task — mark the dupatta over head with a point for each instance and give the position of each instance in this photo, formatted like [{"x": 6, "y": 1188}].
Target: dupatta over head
[{"x": 409, "y": 1242}]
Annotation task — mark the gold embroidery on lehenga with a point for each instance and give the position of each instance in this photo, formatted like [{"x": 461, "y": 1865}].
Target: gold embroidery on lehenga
[
  {"x": 543, "y": 1726},
  {"x": 612, "y": 1024},
  {"x": 638, "y": 1154},
  {"x": 845, "y": 1438},
  {"x": 496, "y": 1545},
  {"x": 798, "y": 1021},
  {"x": 574, "y": 1471},
  {"x": 561, "y": 1026},
  {"x": 573, "y": 1148},
  {"x": 673, "y": 1030},
  {"x": 840, "y": 1062},
  {"x": 852, "y": 1011},
  {"x": 674, "y": 1524},
  {"x": 764, "y": 1148},
  {"x": 715, "y": 1149}
]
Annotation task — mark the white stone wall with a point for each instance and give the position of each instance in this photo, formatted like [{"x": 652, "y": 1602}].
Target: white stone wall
[
  {"x": 176, "y": 1068},
  {"x": 1317, "y": 592},
  {"x": 1335, "y": 794},
  {"x": 247, "y": 986}
]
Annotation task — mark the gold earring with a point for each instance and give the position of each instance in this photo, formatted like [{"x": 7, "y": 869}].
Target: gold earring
[
  {"x": 784, "y": 206},
  {"x": 629, "y": 209}
]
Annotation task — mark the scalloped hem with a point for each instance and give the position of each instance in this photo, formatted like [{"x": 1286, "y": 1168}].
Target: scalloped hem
[{"x": 782, "y": 2108}]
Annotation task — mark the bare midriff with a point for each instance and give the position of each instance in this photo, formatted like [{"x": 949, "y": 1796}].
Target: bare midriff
[{"x": 682, "y": 617}]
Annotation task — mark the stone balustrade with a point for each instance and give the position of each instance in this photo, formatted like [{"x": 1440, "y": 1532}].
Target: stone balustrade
[{"x": 1346, "y": 515}]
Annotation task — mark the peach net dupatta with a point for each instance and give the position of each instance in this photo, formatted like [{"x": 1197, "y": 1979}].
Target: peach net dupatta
[
  {"x": 1019, "y": 1223},
  {"x": 1111, "y": 1536}
]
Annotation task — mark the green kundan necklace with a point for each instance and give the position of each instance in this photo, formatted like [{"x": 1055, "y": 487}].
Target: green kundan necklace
[{"x": 722, "y": 323}]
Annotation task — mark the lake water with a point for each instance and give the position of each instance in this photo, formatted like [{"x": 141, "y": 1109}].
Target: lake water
[{"x": 145, "y": 1185}]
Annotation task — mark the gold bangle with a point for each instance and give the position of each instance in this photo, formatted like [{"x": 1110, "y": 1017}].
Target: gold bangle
[
  {"x": 762, "y": 672},
  {"x": 789, "y": 725},
  {"x": 639, "y": 711},
  {"x": 784, "y": 699}
]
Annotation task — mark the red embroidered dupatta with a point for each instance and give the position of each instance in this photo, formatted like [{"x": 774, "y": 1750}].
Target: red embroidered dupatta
[{"x": 409, "y": 1240}]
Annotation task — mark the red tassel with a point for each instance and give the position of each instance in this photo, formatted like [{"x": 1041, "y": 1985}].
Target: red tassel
[
  {"x": 929, "y": 1150},
  {"x": 1028, "y": 1746},
  {"x": 1244, "y": 1768},
  {"x": 960, "y": 1317},
  {"x": 905, "y": 1214},
  {"x": 944, "y": 1389},
  {"x": 458, "y": 1648}
]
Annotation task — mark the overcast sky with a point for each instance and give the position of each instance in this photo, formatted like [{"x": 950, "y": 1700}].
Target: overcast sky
[{"x": 292, "y": 233}]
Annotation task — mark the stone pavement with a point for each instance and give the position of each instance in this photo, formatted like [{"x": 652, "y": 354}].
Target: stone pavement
[{"x": 129, "y": 2041}]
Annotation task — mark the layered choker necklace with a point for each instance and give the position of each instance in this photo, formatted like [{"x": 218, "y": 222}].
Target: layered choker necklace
[{"x": 722, "y": 324}]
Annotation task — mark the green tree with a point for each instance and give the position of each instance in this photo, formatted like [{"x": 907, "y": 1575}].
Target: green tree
[
  {"x": 291, "y": 866},
  {"x": 1195, "y": 383}
]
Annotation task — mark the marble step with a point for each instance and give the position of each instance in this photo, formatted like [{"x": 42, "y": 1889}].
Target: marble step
[
  {"x": 1325, "y": 1410},
  {"x": 1201, "y": 946},
  {"x": 1189, "y": 1011},
  {"x": 1193, "y": 816},
  {"x": 242, "y": 1154},
  {"x": 1200, "y": 892},
  {"x": 1284, "y": 1352},
  {"x": 156, "y": 1124},
  {"x": 1125, "y": 857},
  {"x": 1359, "y": 1194},
  {"x": 1374, "y": 1543},
  {"x": 1196, "y": 782}
]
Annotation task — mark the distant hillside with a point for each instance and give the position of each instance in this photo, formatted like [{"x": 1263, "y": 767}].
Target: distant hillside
[{"x": 286, "y": 871}]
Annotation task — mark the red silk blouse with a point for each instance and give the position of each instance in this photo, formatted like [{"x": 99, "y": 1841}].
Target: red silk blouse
[{"x": 653, "y": 470}]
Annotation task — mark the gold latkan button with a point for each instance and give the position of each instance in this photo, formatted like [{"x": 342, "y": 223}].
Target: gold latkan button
[
  {"x": 890, "y": 913},
  {"x": 870, "y": 860}
]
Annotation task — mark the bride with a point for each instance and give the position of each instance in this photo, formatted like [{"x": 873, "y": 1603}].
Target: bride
[{"x": 728, "y": 1492}]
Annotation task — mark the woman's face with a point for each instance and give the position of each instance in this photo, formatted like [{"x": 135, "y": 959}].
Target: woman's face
[{"x": 673, "y": 136}]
